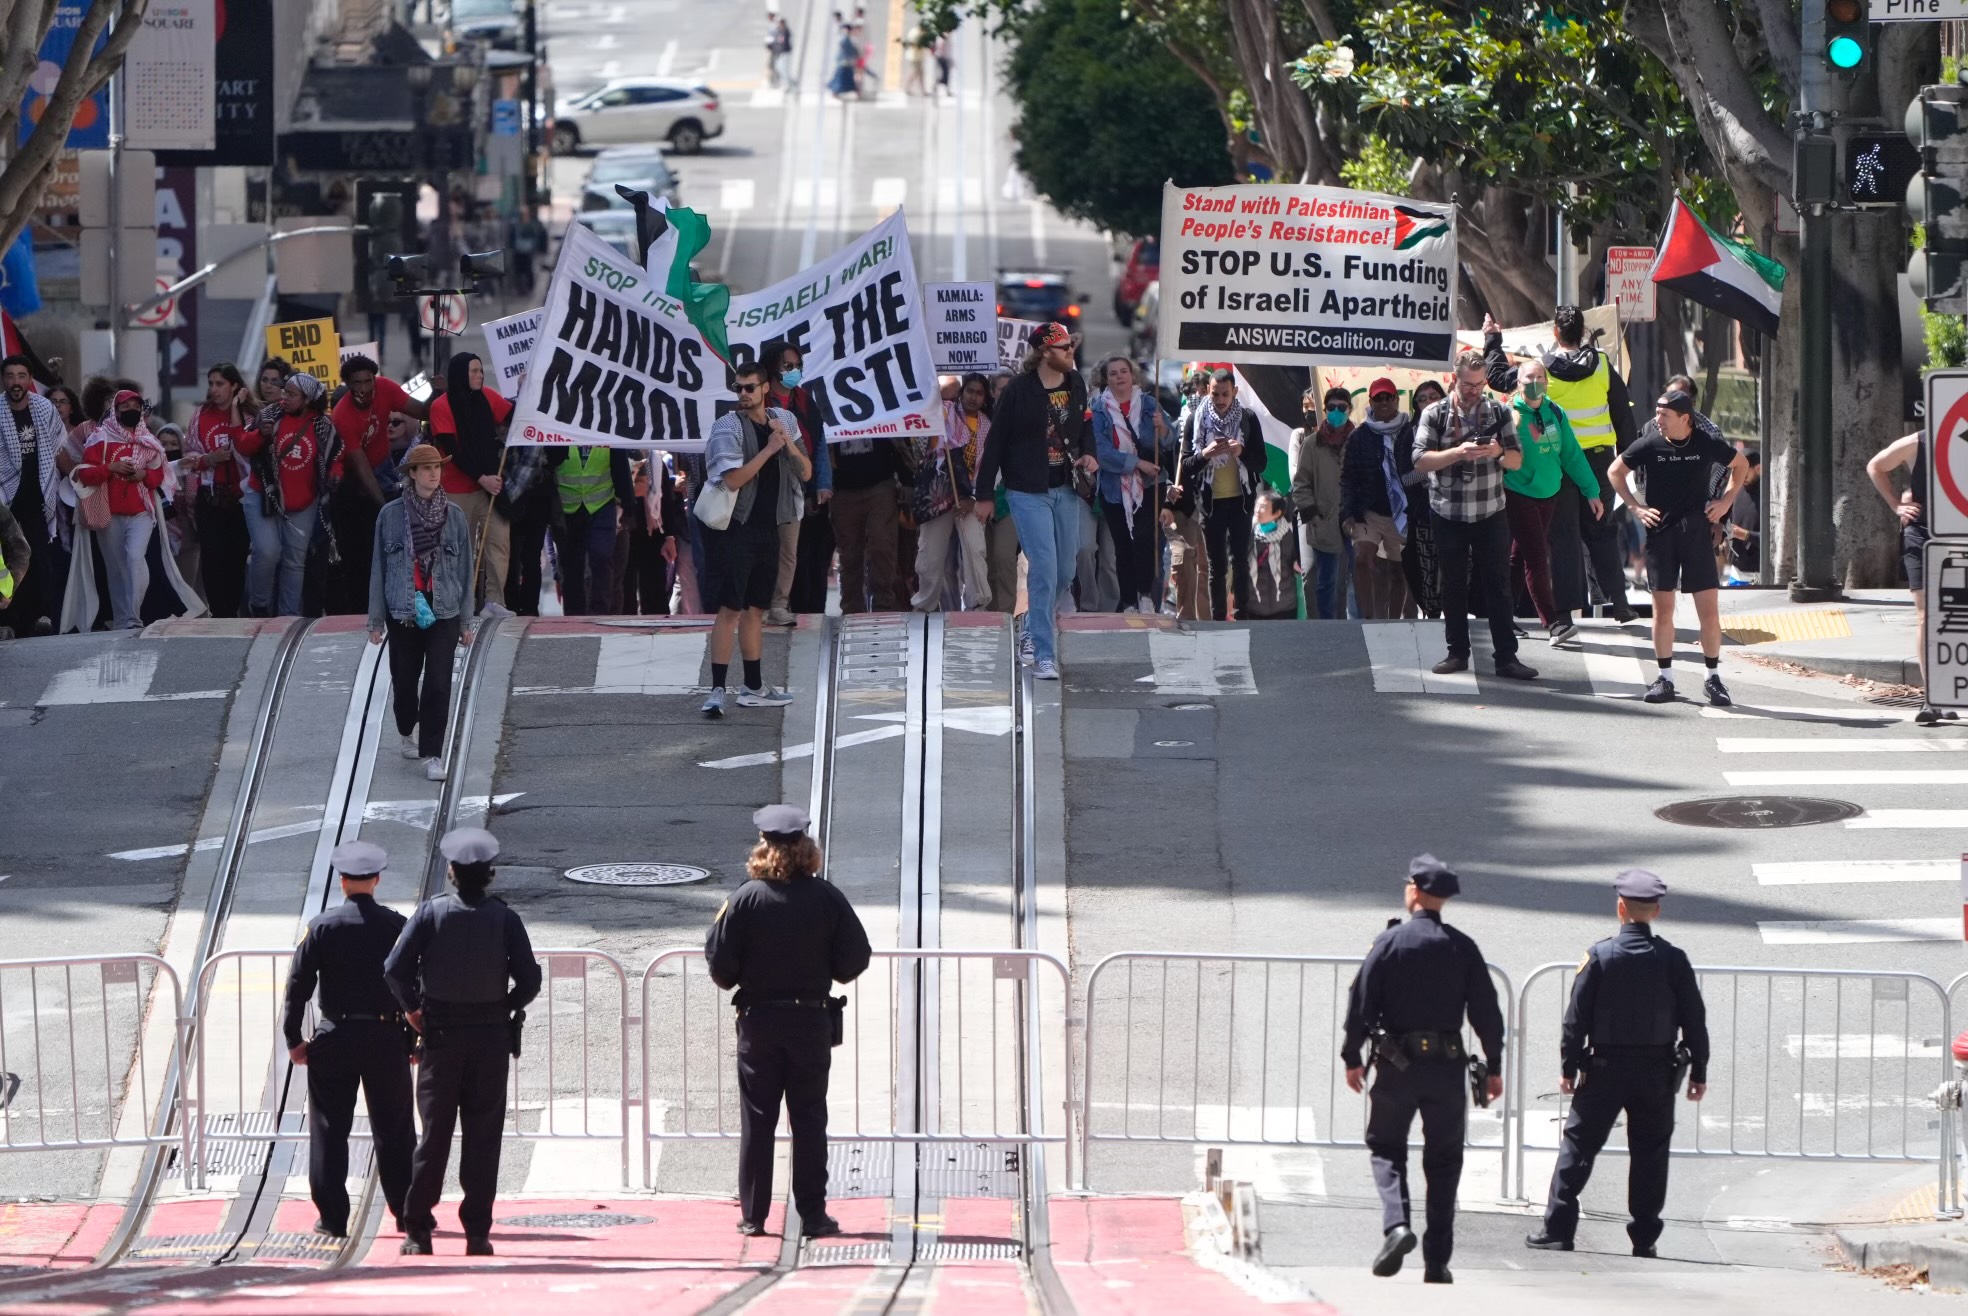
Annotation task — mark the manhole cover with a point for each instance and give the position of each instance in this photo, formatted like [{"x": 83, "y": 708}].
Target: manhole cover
[
  {"x": 578, "y": 1220},
  {"x": 637, "y": 874},
  {"x": 1757, "y": 811}
]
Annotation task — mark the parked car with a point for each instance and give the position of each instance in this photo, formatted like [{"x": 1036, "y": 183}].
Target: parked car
[
  {"x": 1038, "y": 295},
  {"x": 495, "y": 22},
  {"x": 615, "y": 227},
  {"x": 1143, "y": 267},
  {"x": 1145, "y": 322},
  {"x": 634, "y": 166},
  {"x": 675, "y": 110}
]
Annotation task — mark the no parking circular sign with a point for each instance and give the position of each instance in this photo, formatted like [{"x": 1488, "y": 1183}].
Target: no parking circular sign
[{"x": 1946, "y": 494}]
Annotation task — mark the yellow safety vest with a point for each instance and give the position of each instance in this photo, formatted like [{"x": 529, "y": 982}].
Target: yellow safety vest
[
  {"x": 1588, "y": 404},
  {"x": 585, "y": 483},
  {"x": 6, "y": 583}
]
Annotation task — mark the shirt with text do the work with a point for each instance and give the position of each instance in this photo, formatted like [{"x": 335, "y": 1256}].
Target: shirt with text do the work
[
  {"x": 1423, "y": 976},
  {"x": 1676, "y": 476},
  {"x": 785, "y": 941},
  {"x": 343, "y": 950}
]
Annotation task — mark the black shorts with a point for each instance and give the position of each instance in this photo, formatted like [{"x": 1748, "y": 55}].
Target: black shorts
[
  {"x": 1682, "y": 554},
  {"x": 1913, "y": 556},
  {"x": 743, "y": 564}
]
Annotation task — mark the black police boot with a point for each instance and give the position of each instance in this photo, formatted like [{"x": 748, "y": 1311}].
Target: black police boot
[
  {"x": 1399, "y": 1242},
  {"x": 750, "y": 1228},
  {"x": 1437, "y": 1275},
  {"x": 824, "y": 1227},
  {"x": 1645, "y": 1250},
  {"x": 478, "y": 1245},
  {"x": 1546, "y": 1241},
  {"x": 416, "y": 1243}
]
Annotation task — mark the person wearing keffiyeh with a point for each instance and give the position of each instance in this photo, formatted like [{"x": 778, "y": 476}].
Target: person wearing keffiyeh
[
  {"x": 31, "y": 433},
  {"x": 1222, "y": 465},
  {"x": 127, "y": 464},
  {"x": 295, "y": 459},
  {"x": 1373, "y": 502},
  {"x": 422, "y": 554}
]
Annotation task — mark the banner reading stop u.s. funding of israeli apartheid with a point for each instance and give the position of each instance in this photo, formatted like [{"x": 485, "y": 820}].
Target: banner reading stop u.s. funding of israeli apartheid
[{"x": 1298, "y": 275}]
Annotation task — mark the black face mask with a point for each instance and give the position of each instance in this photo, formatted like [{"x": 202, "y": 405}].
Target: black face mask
[
  {"x": 129, "y": 420},
  {"x": 1312, "y": 419}
]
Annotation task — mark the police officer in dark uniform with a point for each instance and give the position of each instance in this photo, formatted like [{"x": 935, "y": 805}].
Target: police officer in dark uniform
[
  {"x": 1413, "y": 989},
  {"x": 1634, "y": 997},
  {"x": 359, "y": 1038},
  {"x": 782, "y": 940},
  {"x": 451, "y": 971}
]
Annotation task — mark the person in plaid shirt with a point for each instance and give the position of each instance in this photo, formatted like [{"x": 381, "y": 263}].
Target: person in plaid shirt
[{"x": 1464, "y": 444}]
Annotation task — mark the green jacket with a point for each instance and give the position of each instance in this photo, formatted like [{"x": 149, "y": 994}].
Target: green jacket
[{"x": 1548, "y": 455}]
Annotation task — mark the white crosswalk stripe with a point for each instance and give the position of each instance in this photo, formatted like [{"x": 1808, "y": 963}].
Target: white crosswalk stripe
[
  {"x": 1849, "y": 745},
  {"x": 1402, "y": 652},
  {"x": 1827, "y": 872},
  {"x": 1853, "y": 931},
  {"x": 1911, "y": 818},
  {"x": 1851, "y": 777}
]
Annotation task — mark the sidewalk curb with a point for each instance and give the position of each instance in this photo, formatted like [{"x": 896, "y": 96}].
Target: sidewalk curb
[
  {"x": 1944, "y": 1259},
  {"x": 1886, "y": 671}
]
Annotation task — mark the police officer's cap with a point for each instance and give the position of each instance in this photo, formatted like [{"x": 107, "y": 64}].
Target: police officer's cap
[
  {"x": 782, "y": 822},
  {"x": 1639, "y": 884},
  {"x": 359, "y": 859},
  {"x": 469, "y": 845},
  {"x": 1432, "y": 877}
]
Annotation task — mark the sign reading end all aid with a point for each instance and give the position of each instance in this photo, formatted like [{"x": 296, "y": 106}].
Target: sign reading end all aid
[{"x": 1946, "y": 494}]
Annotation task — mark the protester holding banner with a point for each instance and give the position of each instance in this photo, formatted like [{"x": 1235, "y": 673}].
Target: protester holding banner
[
  {"x": 1318, "y": 453},
  {"x": 945, "y": 502},
  {"x": 806, "y": 550},
  {"x": 295, "y": 457},
  {"x": 867, "y": 519},
  {"x": 215, "y": 488},
  {"x": 1464, "y": 444},
  {"x": 1039, "y": 433},
  {"x": 467, "y": 426},
  {"x": 1373, "y": 501},
  {"x": 1223, "y": 464},
  {"x": 419, "y": 590},
  {"x": 1130, "y": 435},
  {"x": 595, "y": 485},
  {"x": 754, "y": 462},
  {"x": 530, "y": 502}
]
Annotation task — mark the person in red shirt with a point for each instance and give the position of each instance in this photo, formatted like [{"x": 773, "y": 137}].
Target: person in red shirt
[
  {"x": 468, "y": 426},
  {"x": 215, "y": 479},
  {"x": 367, "y": 417},
  {"x": 127, "y": 464},
  {"x": 295, "y": 460}
]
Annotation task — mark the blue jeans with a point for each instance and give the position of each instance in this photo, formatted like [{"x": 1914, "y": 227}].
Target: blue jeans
[
  {"x": 280, "y": 548},
  {"x": 1325, "y": 585},
  {"x": 1049, "y": 536}
]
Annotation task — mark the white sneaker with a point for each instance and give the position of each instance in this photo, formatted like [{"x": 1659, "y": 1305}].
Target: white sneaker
[
  {"x": 410, "y": 748},
  {"x": 764, "y": 697},
  {"x": 719, "y": 701},
  {"x": 434, "y": 769},
  {"x": 1047, "y": 670},
  {"x": 1563, "y": 631},
  {"x": 780, "y": 617}
]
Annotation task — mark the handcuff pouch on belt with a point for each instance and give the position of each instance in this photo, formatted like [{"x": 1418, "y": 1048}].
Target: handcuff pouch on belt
[{"x": 1398, "y": 1050}]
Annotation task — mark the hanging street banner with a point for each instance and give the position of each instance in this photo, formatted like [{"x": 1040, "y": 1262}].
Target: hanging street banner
[
  {"x": 616, "y": 362},
  {"x": 509, "y": 346},
  {"x": 859, "y": 322},
  {"x": 963, "y": 325},
  {"x": 1300, "y": 275},
  {"x": 170, "y": 74}
]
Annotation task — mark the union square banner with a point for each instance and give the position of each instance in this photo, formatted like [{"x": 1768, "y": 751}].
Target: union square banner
[
  {"x": 1267, "y": 274},
  {"x": 617, "y": 361}
]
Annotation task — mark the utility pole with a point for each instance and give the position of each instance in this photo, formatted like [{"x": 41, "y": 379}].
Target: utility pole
[
  {"x": 532, "y": 105},
  {"x": 1821, "y": 104},
  {"x": 116, "y": 318}
]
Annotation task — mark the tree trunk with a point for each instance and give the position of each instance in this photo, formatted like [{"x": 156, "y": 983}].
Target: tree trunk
[{"x": 1867, "y": 254}]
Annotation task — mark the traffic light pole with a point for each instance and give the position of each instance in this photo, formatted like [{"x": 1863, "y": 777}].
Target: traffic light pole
[{"x": 1820, "y": 102}]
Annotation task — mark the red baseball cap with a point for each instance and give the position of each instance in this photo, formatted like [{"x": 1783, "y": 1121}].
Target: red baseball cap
[{"x": 1382, "y": 385}]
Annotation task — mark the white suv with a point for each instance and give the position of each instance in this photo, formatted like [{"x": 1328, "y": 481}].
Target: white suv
[{"x": 672, "y": 110}]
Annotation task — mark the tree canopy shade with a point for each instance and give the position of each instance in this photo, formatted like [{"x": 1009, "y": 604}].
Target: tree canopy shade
[{"x": 1106, "y": 114}]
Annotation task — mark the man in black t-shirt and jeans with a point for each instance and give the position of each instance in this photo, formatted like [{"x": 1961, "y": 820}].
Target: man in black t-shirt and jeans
[{"x": 1678, "y": 460}]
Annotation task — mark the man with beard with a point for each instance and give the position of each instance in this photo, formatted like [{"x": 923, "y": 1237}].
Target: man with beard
[
  {"x": 31, "y": 432},
  {"x": 365, "y": 418}
]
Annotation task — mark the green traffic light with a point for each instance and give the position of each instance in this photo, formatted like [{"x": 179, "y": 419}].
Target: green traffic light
[{"x": 1845, "y": 52}]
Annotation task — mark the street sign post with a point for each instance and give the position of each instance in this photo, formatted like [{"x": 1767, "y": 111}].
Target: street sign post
[
  {"x": 442, "y": 313},
  {"x": 1918, "y": 11},
  {"x": 1630, "y": 281},
  {"x": 1946, "y": 495},
  {"x": 1947, "y": 624}
]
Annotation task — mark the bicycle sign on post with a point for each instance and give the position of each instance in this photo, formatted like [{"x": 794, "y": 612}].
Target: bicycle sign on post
[{"x": 442, "y": 313}]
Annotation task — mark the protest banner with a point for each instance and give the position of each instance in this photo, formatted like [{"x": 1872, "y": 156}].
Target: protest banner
[
  {"x": 1298, "y": 275},
  {"x": 1013, "y": 336},
  {"x": 369, "y": 350},
  {"x": 963, "y": 325},
  {"x": 616, "y": 363},
  {"x": 508, "y": 347},
  {"x": 311, "y": 346},
  {"x": 1602, "y": 330},
  {"x": 857, "y": 318}
]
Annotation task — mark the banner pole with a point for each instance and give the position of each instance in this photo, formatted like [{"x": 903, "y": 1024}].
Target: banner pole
[{"x": 1158, "y": 595}]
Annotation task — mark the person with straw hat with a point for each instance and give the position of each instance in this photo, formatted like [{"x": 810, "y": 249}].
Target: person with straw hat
[{"x": 420, "y": 582}]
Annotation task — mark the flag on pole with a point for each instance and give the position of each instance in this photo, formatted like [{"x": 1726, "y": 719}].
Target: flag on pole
[
  {"x": 705, "y": 305},
  {"x": 1719, "y": 273}
]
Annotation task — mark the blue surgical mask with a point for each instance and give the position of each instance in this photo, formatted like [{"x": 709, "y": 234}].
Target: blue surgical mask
[
  {"x": 1336, "y": 416},
  {"x": 790, "y": 378}
]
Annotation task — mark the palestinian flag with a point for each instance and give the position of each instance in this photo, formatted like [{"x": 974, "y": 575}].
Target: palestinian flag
[
  {"x": 1723, "y": 275},
  {"x": 1413, "y": 226},
  {"x": 14, "y": 343},
  {"x": 1273, "y": 393},
  {"x": 704, "y": 304}
]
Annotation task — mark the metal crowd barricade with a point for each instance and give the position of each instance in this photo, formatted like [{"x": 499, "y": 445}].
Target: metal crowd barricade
[
  {"x": 977, "y": 1040},
  {"x": 568, "y": 1084},
  {"x": 1953, "y": 1130},
  {"x": 1805, "y": 1064},
  {"x": 65, "y": 1024},
  {"x": 1269, "y": 1073}
]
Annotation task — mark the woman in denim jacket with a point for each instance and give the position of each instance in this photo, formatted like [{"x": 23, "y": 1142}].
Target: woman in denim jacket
[{"x": 419, "y": 578}]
